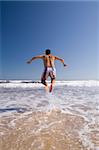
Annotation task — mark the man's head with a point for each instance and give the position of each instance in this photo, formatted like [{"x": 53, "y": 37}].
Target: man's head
[{"x": 47, "y": 51}]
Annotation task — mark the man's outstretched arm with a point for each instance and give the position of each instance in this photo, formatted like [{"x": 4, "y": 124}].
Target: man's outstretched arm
[
  {"x": 34, "y": 58},
  {"x": 62, "y": 60}
]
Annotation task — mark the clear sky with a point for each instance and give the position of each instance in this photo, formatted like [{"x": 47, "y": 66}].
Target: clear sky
[{"x": 69, "y": 29}]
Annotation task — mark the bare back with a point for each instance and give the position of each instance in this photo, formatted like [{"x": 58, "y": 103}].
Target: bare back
[{"x": 48, "y": 60}]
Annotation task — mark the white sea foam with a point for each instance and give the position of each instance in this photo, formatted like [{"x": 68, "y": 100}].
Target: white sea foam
[
  {"x": 68, "y": 95},
  {"x": 30, "y": 83},
  {"x": 80, "y": 98}
]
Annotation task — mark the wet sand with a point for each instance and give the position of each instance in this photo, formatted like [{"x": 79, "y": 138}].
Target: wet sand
[
  {"x": 52, "y": 130},
  {"x": 67, "y": 119}
]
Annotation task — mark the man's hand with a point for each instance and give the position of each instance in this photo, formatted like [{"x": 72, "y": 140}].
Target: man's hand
[
  {"x": 28, "y": 62},
  {"x": 64, "y": 65}
]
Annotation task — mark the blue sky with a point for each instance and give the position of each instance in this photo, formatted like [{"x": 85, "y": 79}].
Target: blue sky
[{"x": 69, "y": 29}]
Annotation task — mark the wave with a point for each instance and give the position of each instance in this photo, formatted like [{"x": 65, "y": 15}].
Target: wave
[
  {"x": 27, "y": 83},
  {"x": 18, "y": 81}
]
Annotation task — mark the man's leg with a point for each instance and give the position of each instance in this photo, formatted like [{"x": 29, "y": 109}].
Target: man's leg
[
  {"x": 43, "y": 81},
  {"x": 46, "y": 88},
  {"x": 52, "y": 85},
  {"x": 53, "y": 77}
]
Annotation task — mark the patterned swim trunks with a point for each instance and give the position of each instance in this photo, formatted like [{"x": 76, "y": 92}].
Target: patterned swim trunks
[{"x": 48, "y": 72}]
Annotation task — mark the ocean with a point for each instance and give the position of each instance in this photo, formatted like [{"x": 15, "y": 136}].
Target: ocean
[{"x": 66, "y": 119}]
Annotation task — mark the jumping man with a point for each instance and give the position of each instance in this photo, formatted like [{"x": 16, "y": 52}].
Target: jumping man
[{"x": 49, "y": 68}]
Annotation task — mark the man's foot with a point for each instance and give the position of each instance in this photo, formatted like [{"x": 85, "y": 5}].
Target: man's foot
[
  {"x": 46, "y": 88},
  {"x": 51, "y": 88}
]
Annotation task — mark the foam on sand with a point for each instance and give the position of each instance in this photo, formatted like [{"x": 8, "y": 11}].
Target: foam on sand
[
  {"x": 67, "y": 119},
  {"x": 39, "y": 130}
]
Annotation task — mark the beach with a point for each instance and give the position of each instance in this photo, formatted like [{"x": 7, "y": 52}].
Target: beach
[{"x": 66, "y": 119}]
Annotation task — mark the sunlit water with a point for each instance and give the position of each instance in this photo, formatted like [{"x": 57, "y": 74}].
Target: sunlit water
[{"x": 66, "y": 119}]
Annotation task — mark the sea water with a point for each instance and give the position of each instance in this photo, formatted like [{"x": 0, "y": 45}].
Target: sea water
[{"x": 67, "y": 118}]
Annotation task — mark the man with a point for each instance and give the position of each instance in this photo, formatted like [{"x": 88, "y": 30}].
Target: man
[{"x": 49, "y": 68}]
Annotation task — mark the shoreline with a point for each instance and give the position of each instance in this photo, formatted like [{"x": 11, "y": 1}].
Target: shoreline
[
  {"x": 47, "y": 130},
  {"x": 43, "y": 131},
  {"x": 67, "y": 119}
]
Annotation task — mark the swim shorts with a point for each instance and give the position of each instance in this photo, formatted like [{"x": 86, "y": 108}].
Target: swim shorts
[{"x": 49, "y": 72}]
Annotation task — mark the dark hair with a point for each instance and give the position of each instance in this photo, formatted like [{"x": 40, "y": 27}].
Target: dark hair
[{"x": 47, "y": 51}]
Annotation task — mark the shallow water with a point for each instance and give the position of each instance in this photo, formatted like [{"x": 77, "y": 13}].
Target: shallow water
[{"x": 66, "y": 119}]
